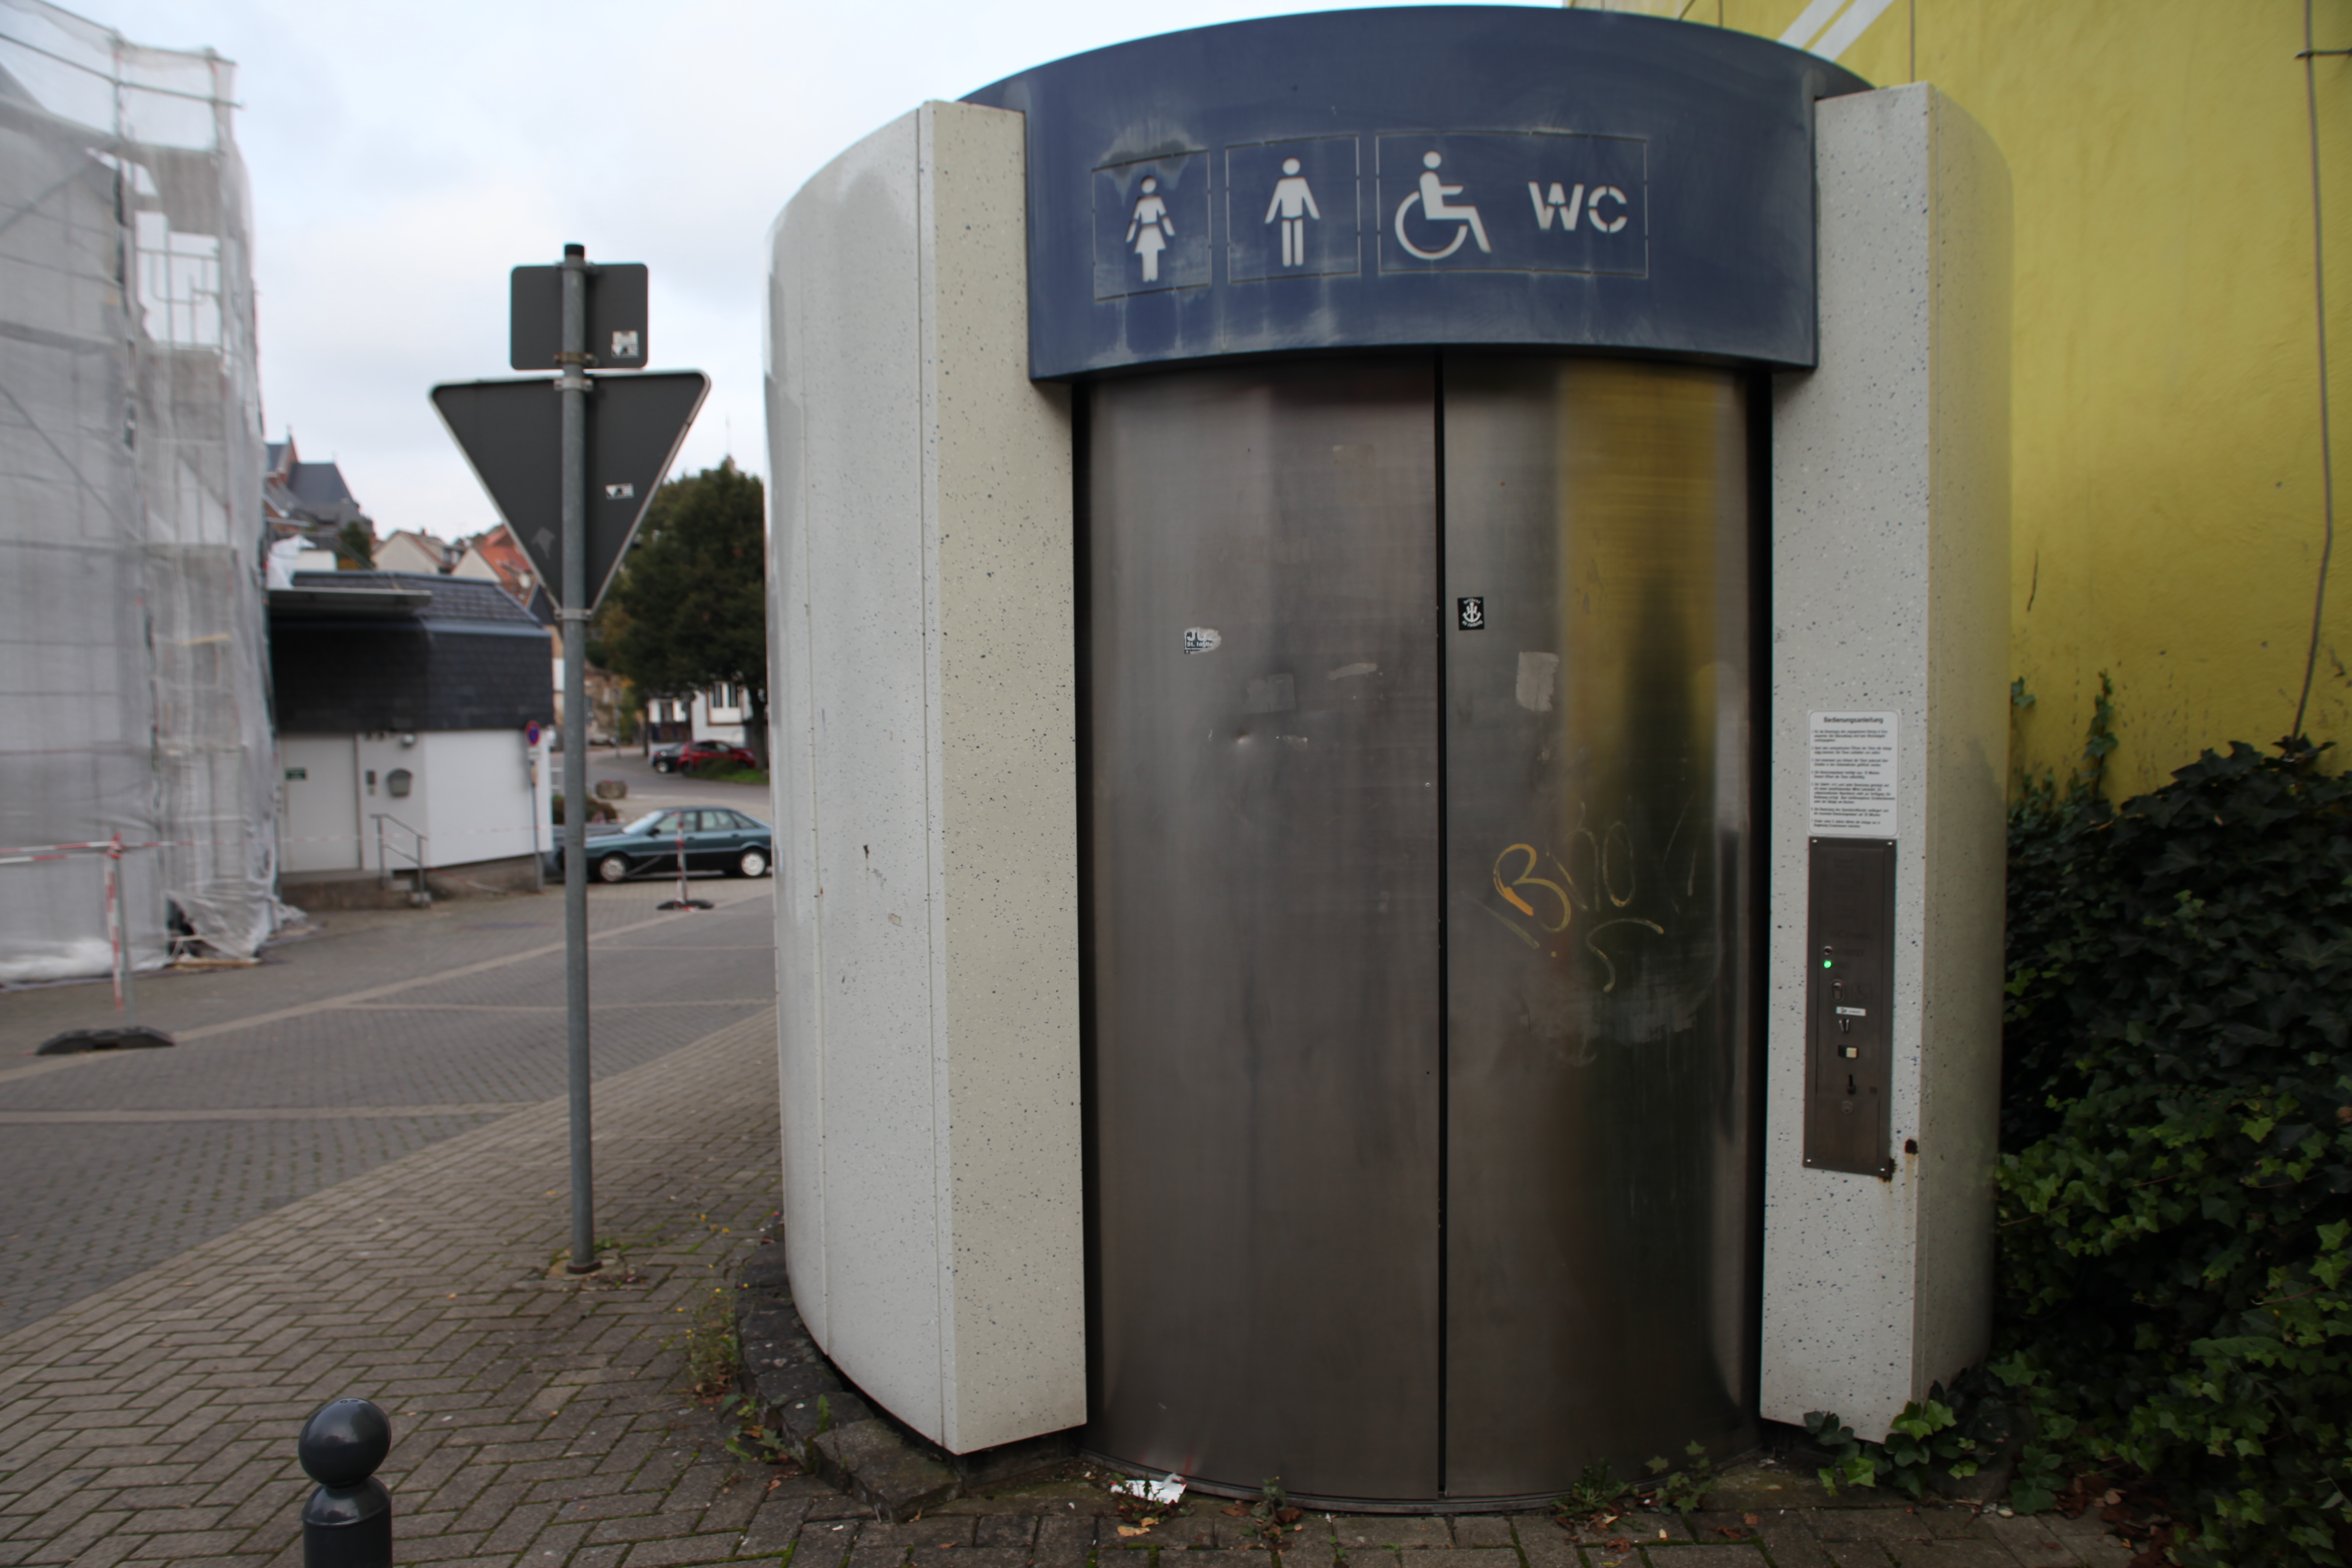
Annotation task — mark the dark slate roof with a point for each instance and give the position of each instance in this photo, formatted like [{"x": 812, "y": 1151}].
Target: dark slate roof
[
  {"x": 312, "y": 491},
  {"x": 466, "y": 658},
  {"x": 318, "y": 484},
  {"x": 473, "y": 600}
]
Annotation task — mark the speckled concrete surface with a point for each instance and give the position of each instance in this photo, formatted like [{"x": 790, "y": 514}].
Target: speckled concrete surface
[
  {"x": 927, "y": 760},
  {"x": 1890, "y": 595}
]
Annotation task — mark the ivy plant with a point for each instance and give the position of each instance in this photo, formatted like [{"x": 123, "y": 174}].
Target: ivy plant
[
  {"x": 2175, "y": 1184},
  {"x": 1950, "y": 1433}
]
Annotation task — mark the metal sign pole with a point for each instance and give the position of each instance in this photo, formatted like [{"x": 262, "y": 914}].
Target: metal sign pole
[
  {"x": 573, "y": 388},
  {"x": 512, "y": 437}
]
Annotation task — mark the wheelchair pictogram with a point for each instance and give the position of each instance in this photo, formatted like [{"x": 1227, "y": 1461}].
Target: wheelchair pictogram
[{"x": 1431, "y": 195}]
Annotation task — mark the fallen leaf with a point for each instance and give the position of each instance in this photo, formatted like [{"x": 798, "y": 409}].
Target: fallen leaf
[
  {"x": 1751, "y": 1519},
  {"x": 1131, "y": 1529}
]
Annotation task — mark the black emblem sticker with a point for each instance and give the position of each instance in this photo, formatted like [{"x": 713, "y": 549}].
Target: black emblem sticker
[{"x": 1473, "y": 613}]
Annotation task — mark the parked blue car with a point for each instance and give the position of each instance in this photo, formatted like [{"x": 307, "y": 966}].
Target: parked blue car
[{"x": 714, "y": 837}]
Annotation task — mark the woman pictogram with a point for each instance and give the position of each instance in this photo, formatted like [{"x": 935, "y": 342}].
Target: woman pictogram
[{"x": 1150, "y": 230}]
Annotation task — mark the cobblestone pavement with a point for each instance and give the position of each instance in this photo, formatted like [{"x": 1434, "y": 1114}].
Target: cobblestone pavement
[
  {"x": 539, "y": 1422},
  {"x": 385, "y": 1034},
  {"x": 155, "y": 1418},
  {"x": 341, "y": 1198}
]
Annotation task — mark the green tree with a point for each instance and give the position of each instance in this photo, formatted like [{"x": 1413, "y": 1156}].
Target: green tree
[{"x": 689, "y": 608}]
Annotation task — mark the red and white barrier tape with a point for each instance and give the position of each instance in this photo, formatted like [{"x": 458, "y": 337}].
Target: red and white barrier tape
[
  {"x": 114, "y": 917},
  {"x": 112, "y": 848},
  {"x": 25, "y": 854}
]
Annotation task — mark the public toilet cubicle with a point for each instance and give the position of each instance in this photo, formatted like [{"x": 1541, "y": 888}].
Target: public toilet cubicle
[{"x": 1389, "y": 647}]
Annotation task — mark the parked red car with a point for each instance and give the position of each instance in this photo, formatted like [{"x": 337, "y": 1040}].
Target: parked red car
[{"x": 696, "y": 753}]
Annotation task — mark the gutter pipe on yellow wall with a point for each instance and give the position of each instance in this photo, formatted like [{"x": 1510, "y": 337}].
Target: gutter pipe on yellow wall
[{"x": 2319, "y": 291}]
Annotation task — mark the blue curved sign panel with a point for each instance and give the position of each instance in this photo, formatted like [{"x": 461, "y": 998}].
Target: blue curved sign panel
[{"x": 1474, "y": 176}]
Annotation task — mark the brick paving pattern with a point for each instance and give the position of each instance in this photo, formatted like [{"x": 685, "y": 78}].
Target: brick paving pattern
[
  {"x": 404, "y": 1254},
  {"x": 155, "y": 1418},
  {"x": 384, "y": 1035},
  {"x": 539, "y": 1422}
]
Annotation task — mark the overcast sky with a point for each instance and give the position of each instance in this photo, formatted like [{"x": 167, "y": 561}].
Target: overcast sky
[{"x": 403, "y": 157}]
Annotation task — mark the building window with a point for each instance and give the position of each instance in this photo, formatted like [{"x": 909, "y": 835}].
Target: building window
[{"x": 179, "y": 283}]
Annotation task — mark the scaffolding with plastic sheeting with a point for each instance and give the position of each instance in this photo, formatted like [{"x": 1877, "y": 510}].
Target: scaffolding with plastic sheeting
[{"x": 135, "y": 749}]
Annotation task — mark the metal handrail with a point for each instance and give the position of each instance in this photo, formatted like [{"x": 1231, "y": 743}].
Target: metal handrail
[{"x": 416, "y": 854}]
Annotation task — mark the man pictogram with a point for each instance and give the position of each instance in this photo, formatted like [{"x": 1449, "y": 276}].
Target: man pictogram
[{"x": 1296, "y": 204}]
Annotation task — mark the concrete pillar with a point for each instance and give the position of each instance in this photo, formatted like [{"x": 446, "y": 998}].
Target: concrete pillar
[
  {"x": 920, "y": 583},
  {"x": 1890, "y": 593}
]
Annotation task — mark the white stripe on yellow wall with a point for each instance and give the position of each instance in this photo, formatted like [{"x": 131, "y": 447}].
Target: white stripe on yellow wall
[
  {"x": 1842, "y": 32},
  {"x": 1810, "y": 23},
  {"x": 1822, "y": 31}
]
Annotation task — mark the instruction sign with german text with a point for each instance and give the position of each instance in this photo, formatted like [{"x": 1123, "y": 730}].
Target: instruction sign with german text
[{"x": 1853, "y": 758}]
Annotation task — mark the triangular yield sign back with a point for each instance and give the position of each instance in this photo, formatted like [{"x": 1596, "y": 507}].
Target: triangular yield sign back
[{"x": 512, "y": 432}]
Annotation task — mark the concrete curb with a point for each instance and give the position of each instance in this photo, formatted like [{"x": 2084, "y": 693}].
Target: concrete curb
[
  {"x": 842, "y": 1437},
  {"x": 838, "y": 1434}
]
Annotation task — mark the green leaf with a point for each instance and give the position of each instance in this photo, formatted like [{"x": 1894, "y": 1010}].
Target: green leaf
[
  {"x": 2024, "y": 1497},
  {"x": 2175, "y": 1190}
]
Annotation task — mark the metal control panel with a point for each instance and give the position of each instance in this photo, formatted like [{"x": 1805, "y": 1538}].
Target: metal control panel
[{"x": 1849, "y": 994}]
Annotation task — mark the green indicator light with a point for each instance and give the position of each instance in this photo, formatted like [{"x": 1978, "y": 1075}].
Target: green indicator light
[{"x": 1825, "y": 963}]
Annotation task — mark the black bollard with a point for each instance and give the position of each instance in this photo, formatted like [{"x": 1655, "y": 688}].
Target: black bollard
[{"x": 347, "y": 1522}]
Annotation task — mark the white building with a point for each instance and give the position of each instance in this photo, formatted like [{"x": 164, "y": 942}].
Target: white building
[
  {"x": 406, "y": 550},
  {"x": 722, "y": 713},
  {"x": 412, "y": 715}
]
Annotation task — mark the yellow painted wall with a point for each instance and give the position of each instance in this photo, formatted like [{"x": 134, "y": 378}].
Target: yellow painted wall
[{"x": 2167, "y": 514}]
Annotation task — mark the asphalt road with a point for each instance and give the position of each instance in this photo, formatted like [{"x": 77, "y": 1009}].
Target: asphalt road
[
  {"x": 650, "y": 791},
  {"x": 384, "y": 1032}
]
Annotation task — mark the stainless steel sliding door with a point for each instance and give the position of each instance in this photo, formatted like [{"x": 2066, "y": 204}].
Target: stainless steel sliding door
[
  {"x": 1419, "y": 923},
  {"x": 1599, "y": 1197},
  {"x": 1264, "y": 897}
]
